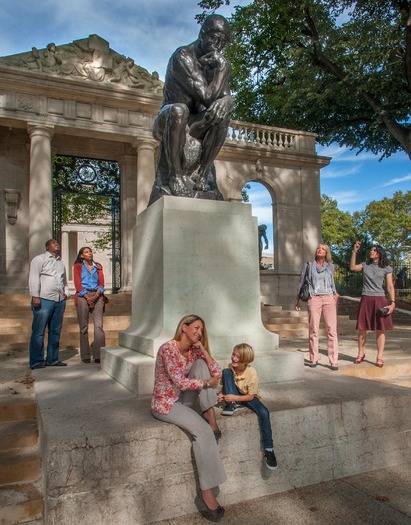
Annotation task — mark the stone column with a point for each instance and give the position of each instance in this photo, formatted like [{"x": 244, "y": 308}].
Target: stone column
[
  {"x": 145, "y": 171},
  {"x": 128, "y": 193},
  {"x": 65, "y": 251},
  {"x": 40, "y": 188}
]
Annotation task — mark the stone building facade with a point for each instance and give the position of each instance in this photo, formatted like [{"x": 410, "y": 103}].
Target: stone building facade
[{"x": 85, "y": 100}]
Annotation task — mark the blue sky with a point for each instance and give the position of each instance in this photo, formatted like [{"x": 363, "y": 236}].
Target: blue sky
[{"x": 149, "y": 31}]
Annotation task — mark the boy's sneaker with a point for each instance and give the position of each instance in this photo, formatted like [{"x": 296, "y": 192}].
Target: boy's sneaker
[
  {"x": 270, "y": 459},
  {"x": 229, "y": 409}
]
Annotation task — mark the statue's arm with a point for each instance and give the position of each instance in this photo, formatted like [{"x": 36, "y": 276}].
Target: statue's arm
[{"x": 190, "y": 73}]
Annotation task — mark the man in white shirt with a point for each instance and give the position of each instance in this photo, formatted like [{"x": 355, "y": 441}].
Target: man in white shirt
[{"x": 49, "y": 291}]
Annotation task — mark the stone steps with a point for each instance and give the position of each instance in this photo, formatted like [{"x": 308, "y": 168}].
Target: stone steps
[
  {"x": 19, "y": 464},
  {"x": 20, "y": 504},
  {"x": 21, "y": 500},
  {"x": 290, "y": 324},
  {"x": 111, "y": 322},
  {"x": 20, "y": 342},
  {"x": 16, "y": 317},
  {"x": 16, "y": 300},
  {"x": 19, "y": 433}
]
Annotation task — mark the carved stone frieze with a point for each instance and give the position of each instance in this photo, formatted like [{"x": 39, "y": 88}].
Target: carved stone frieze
[
  {"x": 25, "y": 105},
  {"x": 89, "y": 59},
  {"x": 24, "y": 102}
]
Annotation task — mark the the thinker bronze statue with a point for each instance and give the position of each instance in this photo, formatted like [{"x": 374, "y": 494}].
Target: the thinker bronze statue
[{"x": 194, "y": 117}]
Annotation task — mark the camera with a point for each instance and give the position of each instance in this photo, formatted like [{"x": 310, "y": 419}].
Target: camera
[{"x": 384, "y": 311}]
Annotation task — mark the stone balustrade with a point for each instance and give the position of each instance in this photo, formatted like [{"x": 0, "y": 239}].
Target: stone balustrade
[{"x": 245, "y": 133}]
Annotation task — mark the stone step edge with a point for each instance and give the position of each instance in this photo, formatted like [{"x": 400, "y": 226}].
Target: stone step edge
[
  {"x": 20, "y": 503},
  {"x": 20, "y": 467},
  {"x": 18, "y": 433},
  {"x": 17, "y": 409}
]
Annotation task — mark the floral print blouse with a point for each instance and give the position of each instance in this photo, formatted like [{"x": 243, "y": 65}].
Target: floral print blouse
[{"x": 171, "y": 372}]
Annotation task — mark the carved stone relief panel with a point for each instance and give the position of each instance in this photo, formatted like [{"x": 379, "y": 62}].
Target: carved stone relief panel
[{"x": 89, "y": 59}]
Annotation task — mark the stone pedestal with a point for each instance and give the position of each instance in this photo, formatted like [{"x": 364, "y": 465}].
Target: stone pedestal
[{"x": 196, "y": 256}]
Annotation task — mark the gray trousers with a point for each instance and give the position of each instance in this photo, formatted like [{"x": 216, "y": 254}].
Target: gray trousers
[
  {"x": 211, "y": 471},
  {"x": 200, "y": 399},
  {"x": 83, "y": 313}
]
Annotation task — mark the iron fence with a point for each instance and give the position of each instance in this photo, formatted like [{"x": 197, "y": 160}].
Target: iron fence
[{"x": 350, "y": 283}]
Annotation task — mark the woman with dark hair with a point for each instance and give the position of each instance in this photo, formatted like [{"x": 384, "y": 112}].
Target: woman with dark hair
[
  {"x": 89, "y": 298},
  {"x": 186, "y": 373},
  {"x": 323, "y": 301},
  {"x": 375, "y": 311}
]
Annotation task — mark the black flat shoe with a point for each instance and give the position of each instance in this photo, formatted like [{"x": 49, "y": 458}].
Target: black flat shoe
[
  {"x": 97, "y": 361},
  {"x": 217, "y": 434},
  {"x": 86, "y": 361},
  {"x": 59, "y": 363},
  {"x": 209, "y": 514},
  {"x": 213, "y": 515},
  {"x": 40, "y": 365}
]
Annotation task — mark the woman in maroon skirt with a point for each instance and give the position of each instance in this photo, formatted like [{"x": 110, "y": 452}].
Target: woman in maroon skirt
[{"x": 375, "y": 311}]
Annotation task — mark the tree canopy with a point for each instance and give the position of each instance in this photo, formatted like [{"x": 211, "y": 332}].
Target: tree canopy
[
  {"x": 338, "y": 231},
  {"x": 339, "y": 68},
  {"x": 386, "y": 222}
]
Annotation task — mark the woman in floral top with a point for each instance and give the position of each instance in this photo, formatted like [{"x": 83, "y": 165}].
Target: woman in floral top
[{"x": 185, "y": 372}]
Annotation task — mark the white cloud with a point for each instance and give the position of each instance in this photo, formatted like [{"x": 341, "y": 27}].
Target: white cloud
[
  {"x": 397, "y": 180},
  {"x": 261, "y": 203},
  {"x": 343, "y": 154},
  {"x": 263, "y": 213},
  {"x": 332, "y": 172},
  {"x": 347, "y": 197}
]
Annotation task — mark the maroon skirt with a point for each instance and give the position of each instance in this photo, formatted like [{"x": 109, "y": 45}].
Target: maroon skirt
[{"x": 369, "y": 316}]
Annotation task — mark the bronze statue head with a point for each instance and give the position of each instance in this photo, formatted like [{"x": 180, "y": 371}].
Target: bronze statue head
[{"x": 214, "y": 33}]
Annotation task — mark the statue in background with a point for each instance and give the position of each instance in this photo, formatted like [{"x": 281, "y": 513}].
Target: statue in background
[
  {"x": 193, "y": 121},
  {"x": 262, "y": 236}
]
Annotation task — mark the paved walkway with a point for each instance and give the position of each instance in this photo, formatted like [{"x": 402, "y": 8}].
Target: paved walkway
[
  {"x": 381, "y": 497},
  {"x": 397, "y": 356}
]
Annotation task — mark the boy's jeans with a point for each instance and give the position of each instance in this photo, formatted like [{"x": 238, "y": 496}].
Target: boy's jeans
[{"x": 255, "y": 405}]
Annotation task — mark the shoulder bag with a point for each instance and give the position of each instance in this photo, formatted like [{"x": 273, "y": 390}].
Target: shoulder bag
[{"x": 304, "y": 294}]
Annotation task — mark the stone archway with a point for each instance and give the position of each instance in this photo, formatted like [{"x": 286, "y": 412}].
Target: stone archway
[{"x": 263, "y": 203}]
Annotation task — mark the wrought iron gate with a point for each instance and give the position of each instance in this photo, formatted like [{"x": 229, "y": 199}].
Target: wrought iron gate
[{"x": 92, "y": 179}]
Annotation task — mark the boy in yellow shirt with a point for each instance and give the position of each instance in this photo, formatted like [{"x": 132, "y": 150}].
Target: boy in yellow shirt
[{"x": 240, "y": 387}]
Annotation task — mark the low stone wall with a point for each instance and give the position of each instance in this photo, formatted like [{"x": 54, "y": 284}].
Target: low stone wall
[{"x": 107, "y": 460}]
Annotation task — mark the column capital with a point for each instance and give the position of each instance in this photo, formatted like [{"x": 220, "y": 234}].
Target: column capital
[
  {"x": 145, "y": 143},
  {"x": 40, "y": 130}
]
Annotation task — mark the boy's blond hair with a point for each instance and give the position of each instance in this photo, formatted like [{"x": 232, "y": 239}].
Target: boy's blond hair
[{"x": 245, "y": 353}]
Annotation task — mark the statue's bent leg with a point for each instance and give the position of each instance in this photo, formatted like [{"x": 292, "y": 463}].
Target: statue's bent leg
[
  {"x": 174, "y": 137},
  {"x": 212, "y": 143}
]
